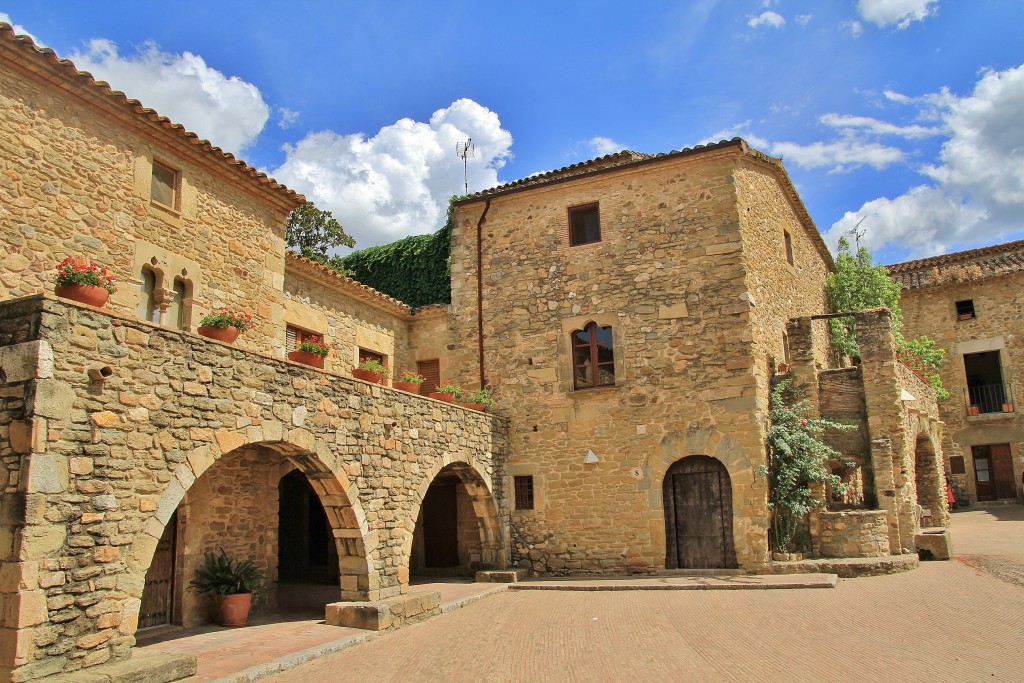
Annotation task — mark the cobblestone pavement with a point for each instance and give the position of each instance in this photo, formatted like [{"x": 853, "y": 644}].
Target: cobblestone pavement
[{"x": 946, "y": 621}]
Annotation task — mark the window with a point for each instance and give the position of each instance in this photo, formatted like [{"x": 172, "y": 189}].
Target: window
[
  {"x": 295, "y": 336},
  {"x": 986, "y": 392},
  {"x": 164, "y": 187},
  {"x": 956, "y": 464},
  {"x": 584, "y": 225},
  {"x": 524, "y": 492},
  {"x": 785, "y": 348},
  {"x": 593, "y": 360},
  {"x": 147, "y": 308},
  {"x": 372, "y": 355},
  {"x": 431, "y": 370},
  {"x": 788, "y": 239},
  {"x": 965, "y": 309},
  {"x": 176, "y": 309}
]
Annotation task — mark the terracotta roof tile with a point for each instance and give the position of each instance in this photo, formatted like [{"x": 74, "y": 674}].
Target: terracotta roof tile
[
  {"x": 960, "y": 266},
  {"x": 45, "y": 62}
]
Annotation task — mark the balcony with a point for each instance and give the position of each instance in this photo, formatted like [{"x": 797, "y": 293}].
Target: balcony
[{"x": 986, "y": 399}]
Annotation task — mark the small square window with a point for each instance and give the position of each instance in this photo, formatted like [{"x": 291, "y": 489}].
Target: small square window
[
  {"x": 956, "y": 464},
  {"x": 296, "y": 335},
  {"x": 584, "y": 225},
  {"x": 965, "y": 309},
  {"x": 524, "y": 492},
  {"x": 788, "y": 239},
  {"x": 164, "y": 186}
]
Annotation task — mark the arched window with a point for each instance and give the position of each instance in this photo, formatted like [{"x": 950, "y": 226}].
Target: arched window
[
  {"x": 593, "y": 360},
  {"x": 148, "y": 309},
  {"x": 176, "y": 309}
]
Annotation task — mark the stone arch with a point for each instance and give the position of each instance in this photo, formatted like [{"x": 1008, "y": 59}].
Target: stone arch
[
  {"x": 308, "y": 454},
  {"x": 750, "y": 519},
  {"x": 479, "y": 488},
  {"x": 929, "y": 477}
]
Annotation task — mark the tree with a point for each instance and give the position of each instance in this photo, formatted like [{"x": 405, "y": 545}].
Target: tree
[
  {"x": 312, "y": 232},
  {"x": 859, "y": 284}
]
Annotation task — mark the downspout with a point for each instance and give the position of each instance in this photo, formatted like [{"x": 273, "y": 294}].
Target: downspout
[{"x": 480, "y": 290}]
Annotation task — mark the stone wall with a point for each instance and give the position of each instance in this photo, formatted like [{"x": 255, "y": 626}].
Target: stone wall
[
  {"x": 931, "y": 310},
  {"x": 75, "y": 181},
  {"x": 106, "y": 464},
  {"x": 319, "y": 301},
  {"x": 850, "y": 533}
]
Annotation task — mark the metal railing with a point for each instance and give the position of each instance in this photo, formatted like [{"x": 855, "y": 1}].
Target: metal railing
[{"x": 989, "y": 398}]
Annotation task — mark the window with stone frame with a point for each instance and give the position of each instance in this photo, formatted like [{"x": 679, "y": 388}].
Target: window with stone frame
[
  {"x": 523, "y": 486},
  {"x": 584, "y": 224},
  {"x": 593, "y": 357},
  {"x": 296, "y": 335},
  {"x": 164, "y": 186},
  {"x": 965, "y": 310},
  {"x": 788, "y": 245}
]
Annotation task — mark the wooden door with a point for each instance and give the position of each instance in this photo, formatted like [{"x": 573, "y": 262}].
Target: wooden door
[
  {"x": 431, "y": 370},
  {"x": 440, "y": 526},
  {"x": 1002, "y": 471},
  {"x": 697, "y": 496},
  {"x": 984, "y": 483},
  {"x": 158, "y": 594}
]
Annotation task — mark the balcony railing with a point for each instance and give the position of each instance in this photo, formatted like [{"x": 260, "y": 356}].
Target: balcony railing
[{"x": 989, "y": 398}]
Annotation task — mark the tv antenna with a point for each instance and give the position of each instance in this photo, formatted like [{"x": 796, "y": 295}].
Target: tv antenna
[
  {"x": 465, "y": 150},
  {"x": 857, "y": 234}
]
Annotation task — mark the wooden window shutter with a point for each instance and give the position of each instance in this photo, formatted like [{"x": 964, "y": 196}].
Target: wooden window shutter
[
  {"x": 431, "y": 369},
  {"x": 291, "y": 338}
]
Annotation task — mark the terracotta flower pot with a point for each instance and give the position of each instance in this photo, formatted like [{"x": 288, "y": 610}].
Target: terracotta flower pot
[
  {"x": 411, "y": 387},
  {"x": 368, "y": 375},
  {"x": 974, "y": 410},
  {"x": 1007, "y": 407},
  {"x": 307, "y": 358},
  {"x": 228, "y": 334},
  {"x": 481, "y": 407},
  {"x": 442, "y": 396},
  {"x": 783, "y": 367},
  {"x": 84, "y": 294},
  {"x": 234, "y": 609}
]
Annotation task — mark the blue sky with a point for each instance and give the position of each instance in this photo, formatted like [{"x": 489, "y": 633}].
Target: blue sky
[{"x": 908, "y": 114}]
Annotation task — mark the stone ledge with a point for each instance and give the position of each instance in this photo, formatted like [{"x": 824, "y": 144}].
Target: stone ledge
[
  {"x": 934, "y": 546},
  {"x": 501, "y": 575},
  {"x": 846, "y": 567},
  {"x": 141, "y": 667},
  {"x": 383, "y": 615}
]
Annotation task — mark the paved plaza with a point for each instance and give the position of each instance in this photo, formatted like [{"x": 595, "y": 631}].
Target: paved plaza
[{"x": 946, "y": 621}]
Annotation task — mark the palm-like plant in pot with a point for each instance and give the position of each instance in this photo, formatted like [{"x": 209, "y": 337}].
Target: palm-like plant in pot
[{"x": 232, "y": 584}]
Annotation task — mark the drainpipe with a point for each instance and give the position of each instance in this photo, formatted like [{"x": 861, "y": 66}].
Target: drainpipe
[{"x": 480, "y": 290}]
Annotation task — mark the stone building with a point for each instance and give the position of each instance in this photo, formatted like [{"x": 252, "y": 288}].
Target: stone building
[
  {"x": 970, "y": 304},
  {"x": 629, "y": 312},
  {"x": 130, "y": 445}
]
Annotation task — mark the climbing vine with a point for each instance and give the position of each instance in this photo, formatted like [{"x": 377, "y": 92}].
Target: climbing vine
[
  {"x": 797, "y": 458},
  {"x": 415, "y": 270}
]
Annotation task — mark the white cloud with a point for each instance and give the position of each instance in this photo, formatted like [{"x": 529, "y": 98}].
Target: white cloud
[
  {"x": 884, "y": 13},
  {"x": 803, "y": 19},
  {"x": 876, "y": 127},
  {"x": 286, "y": 118},
  {"x": 398, "y": 181},
  {"x": 978, "y": 190},
  {"x": 854, "y": 27},
  {"x": 226, "y": 110},
  {"x": 769, "y": 18},
  {"x": 601, "y": 146},
  {"x": 847, "y": 153},
  {"x": 20, "y": 30}
]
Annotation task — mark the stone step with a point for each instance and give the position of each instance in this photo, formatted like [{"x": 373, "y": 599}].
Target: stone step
[{"x": 684, "y": 582}]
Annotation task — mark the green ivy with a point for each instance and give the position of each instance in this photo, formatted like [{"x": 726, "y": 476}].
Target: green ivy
[
  {"x": 415, "y": 270},
  {"x": 797, "y": 458}
]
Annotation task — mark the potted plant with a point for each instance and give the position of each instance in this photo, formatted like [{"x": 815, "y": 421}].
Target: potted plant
[
  {"x": 409, "y": 381},
  {"x": 1007, "y": 407},
  {"x": 84, "y": 283},
  {"x": 231, "y": 582},
  {"x": 974, "y": 411},
  {"x": 446, "y": 392},
  {"x": 310, "y": 352},
  {"x": 783, "y": 368},
  {"x": 371, "y": 370},
  {"x": 477, "y": 400},
  {"x": 225, "y": 325}
]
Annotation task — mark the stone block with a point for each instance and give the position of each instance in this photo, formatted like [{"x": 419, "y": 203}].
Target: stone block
[
  {"x": 20, "y": 436},
  {"x": 47, "y": 473},
  {"x": 27, "y": 361},
  {"x": 229, "y": 440},
  {"x": 501, "y": 575},
  {"x": 934, "y": 546},
  {"x": 672, "y": 312},
  {"x": 370, "y": 616}
]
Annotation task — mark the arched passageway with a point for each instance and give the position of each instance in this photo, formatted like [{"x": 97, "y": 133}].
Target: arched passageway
[
  {"x": 275, "y": 503},
  {"x": 456, "y": 529},
  {"x": 697, "y": 495}
]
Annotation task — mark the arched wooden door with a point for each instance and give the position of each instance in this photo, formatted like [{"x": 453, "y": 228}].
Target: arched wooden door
[{"x": 698, "y": 515}]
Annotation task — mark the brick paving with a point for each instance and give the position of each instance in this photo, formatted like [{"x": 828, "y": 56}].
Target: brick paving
[{"x": 946, "y": 621}]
